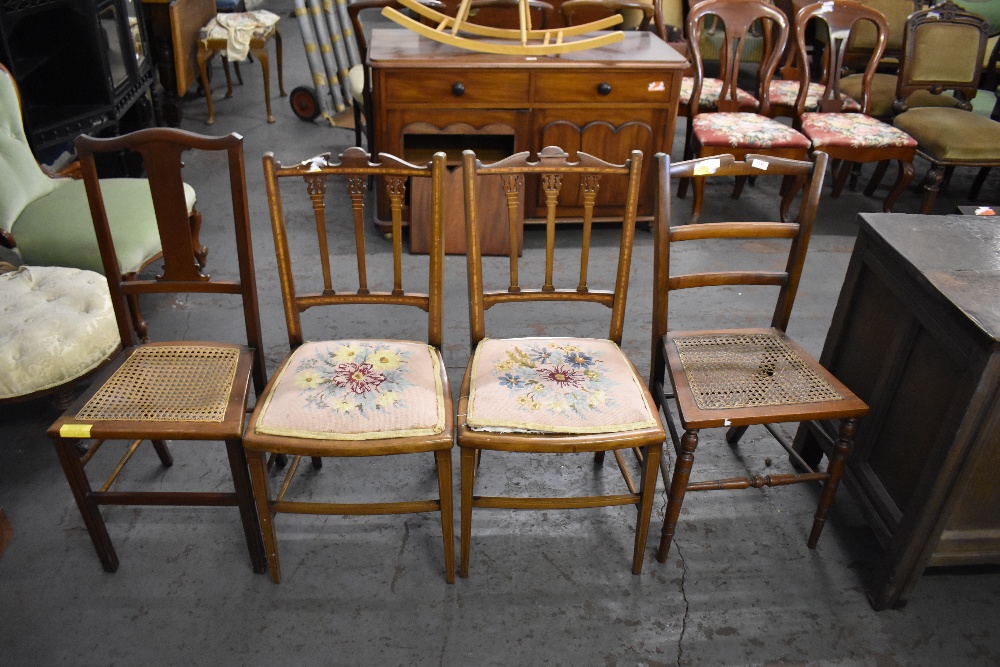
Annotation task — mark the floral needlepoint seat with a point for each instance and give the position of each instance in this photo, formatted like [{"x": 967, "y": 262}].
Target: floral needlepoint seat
[
  {"x": 855, "y": 130},
  {"x": 784, "y": 92},
  {"x": 357, "y": 390},
  {"x": 710, "y": 90},
  {"x": 745, "y": 130},
  {"x": 555, "y": 385}
]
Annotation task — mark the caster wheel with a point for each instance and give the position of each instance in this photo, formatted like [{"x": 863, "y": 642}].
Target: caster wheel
[{"x": 304, "y": 103}]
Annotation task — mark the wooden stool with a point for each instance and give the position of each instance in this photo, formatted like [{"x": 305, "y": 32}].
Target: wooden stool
[{"x": 207, "y": 48}]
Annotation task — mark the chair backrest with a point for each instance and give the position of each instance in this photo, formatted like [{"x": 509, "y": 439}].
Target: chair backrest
[
  {"x": 943, "y": 49},
  {"x": 506, "y": 13},
  {"x": 636, "y": 15},
  {"x": 841, "y": 18},
  {"x": 23, "y": 180},
  {"x": 162, "y": 151},
  {"x": 351, "y": 174},
  {"x": 737, "y": 17},
  {"x": 551, "y": 174},
  {"x": 797, "y": 233}
]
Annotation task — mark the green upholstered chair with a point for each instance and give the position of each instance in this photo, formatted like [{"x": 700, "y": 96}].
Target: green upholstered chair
[
  {"x": 943, "y": 51},
  {"x": 49, "y": 218}
]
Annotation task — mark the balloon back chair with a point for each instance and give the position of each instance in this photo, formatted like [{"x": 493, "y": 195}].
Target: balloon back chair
[
  {"x": 545, "y": 394},
  {"x": 370, "y": 397},
  {"x": 177, "y": 390},
  {"x": 735, "y": 378}
]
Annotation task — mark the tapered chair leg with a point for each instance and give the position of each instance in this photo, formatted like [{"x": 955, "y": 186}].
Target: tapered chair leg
[
  {"x": 258, "y": 479},
  {"x": 650, "y": 466},
  {"x": 80, "y": 486},
  {"x": 245, "y": 502},
  {"x": 465, "y": 530},
  {"x": 443, "y": 460},
  {"x": 678, "y": 487},
  {"x": 838, "y": 462},
  {"x": 166, "y": 458}
]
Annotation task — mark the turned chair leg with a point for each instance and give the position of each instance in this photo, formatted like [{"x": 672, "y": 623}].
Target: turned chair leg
[
  {"x": 678, "y": 487},
  {"x": 838, "y": 462}
]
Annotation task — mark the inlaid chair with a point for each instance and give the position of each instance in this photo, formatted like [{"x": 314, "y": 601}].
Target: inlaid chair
[
  {"x": 943, "y": 51},
  {"x": 729, "y": 129},
  {"x": 735, "y": 378},
  {"x": 176, "y": 390},
  {"x": 369, "y": 397},
  {"x": 850, "y": 138},
  {"x": 543, "y": 393}
]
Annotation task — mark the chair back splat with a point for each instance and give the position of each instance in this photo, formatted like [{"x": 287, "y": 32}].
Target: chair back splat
[
  {"x": 736, "y": 378},
  {"x": 183, "y": 390},
  {"x": 548, "y": 394},
  {"x": 352, "y": 397}
]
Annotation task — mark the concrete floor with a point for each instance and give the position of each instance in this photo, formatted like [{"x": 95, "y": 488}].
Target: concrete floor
[{"x": 545, "y": 587}]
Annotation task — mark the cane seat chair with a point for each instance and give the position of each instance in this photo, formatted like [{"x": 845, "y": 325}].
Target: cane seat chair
[
  {"x": 368, "y": 397},
  {"x": 736, "y": 378},
  {"x": 850, "y": 138},
  {"x": 177, "y": 390},
  {"x": 636, "y": 15},
  {"x": 729, "y": 129},
  {"x": 544, "y": 394},
  {"x": 944, "y": 49}
]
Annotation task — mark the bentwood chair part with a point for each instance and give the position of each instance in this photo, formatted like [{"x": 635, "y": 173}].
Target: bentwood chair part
[
  {"x": 369, "y": 397},
  {"x": 47, "y": 215},
  {"x": 735, "y": 378},
  {"x": 178, "y": 390},
  {"x": 546, "y": 394},
  {"x": 943, "y": 50},
  {"x": 850, "y": 138},
  {"x": 728, "y": 129}
]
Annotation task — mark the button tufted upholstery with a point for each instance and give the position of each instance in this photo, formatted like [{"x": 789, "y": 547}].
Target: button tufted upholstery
[{"x": 56, "y": 325}]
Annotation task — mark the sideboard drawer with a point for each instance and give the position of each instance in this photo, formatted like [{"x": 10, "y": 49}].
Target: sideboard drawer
[
  {"x": 608, "y": 87},
  {"x": 447, "y": 87}
]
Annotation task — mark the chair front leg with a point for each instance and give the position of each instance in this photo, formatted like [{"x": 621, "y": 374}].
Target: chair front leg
[
  {"x": 89, "y": 509},
  {"x": 443, "y": 460},
  {"x": 650, "y": 466},
  {"x": 257, "y": 462},
  {"x": 245, "y": 502},
  {"x": 838, "y": 462},
  {"x": 678, "y": 487},
  {"x": 465, "y": 531}
]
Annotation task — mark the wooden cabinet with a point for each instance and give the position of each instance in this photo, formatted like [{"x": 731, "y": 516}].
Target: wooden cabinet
[
  {"x": 916, "y": 335},
  {"x": 606, "y": 101}
]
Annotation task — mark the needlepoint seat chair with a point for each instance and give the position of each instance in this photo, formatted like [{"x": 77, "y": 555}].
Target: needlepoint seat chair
[
  {"x": 546, "y": 394},
  {"x": 176, "y": 390},
  {"x": 370, "y": 397},
  {"x": 735, "y": 378}
]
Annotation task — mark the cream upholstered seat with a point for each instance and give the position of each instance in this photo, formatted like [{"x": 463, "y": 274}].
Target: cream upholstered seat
[{"x": 56, "y": 326}]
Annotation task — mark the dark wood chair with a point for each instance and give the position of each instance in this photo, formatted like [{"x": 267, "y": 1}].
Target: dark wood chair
[
  {"x": 636, "y": 15},
  {"x": 178, "y": 390},
  {"x": 850, "y": 138},
  {"x": 735, "y": 378},
  {"x": 728, "y": 128},
  {"x": 349, "y": 398},
  {"x": 546, "y": 394},
  {"x": 360, "y": 74},
  {"x": 944, "y": 49}
]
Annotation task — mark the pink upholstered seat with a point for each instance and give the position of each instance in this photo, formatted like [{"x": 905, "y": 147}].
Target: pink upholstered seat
[
  {"x": 784, "y": 91},
  {"x": 856, "y": 130},
  {"x": 710, "y": 89},
  {"x": 745, "y": 130}
]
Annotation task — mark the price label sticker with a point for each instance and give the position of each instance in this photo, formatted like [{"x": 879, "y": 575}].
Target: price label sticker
[
  {"x": 707, "y": 167},
  {"x": 759, "y": 164},
  {"x": 657, "y": 86},
  {"x": 75, "y": 430}
]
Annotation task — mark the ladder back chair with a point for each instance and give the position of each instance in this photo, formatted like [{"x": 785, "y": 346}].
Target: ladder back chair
[
  {"x": 353, "y": 397},
  {"x": 178, "y": 390},
  {"x": 728, "y": 129},
  {"x": 850, "y": 138},
  {"x": 545, "y": 394},
  {"x": 943, "y": 50},
  {"x": 736, "y": 378}
]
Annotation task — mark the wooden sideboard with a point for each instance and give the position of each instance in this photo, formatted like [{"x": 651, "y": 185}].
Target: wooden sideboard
[
  {"x": 916, "y": 335},
  {"x": 608, "y": 101}
]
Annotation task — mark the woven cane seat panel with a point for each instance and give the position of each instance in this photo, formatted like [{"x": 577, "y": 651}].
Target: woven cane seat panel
[
  {"x": 555, "y": 385},
  {"x": 728, "y": 371},
  {"x": 167, "y": 383},
  {"x": 357, "y": 390}
]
